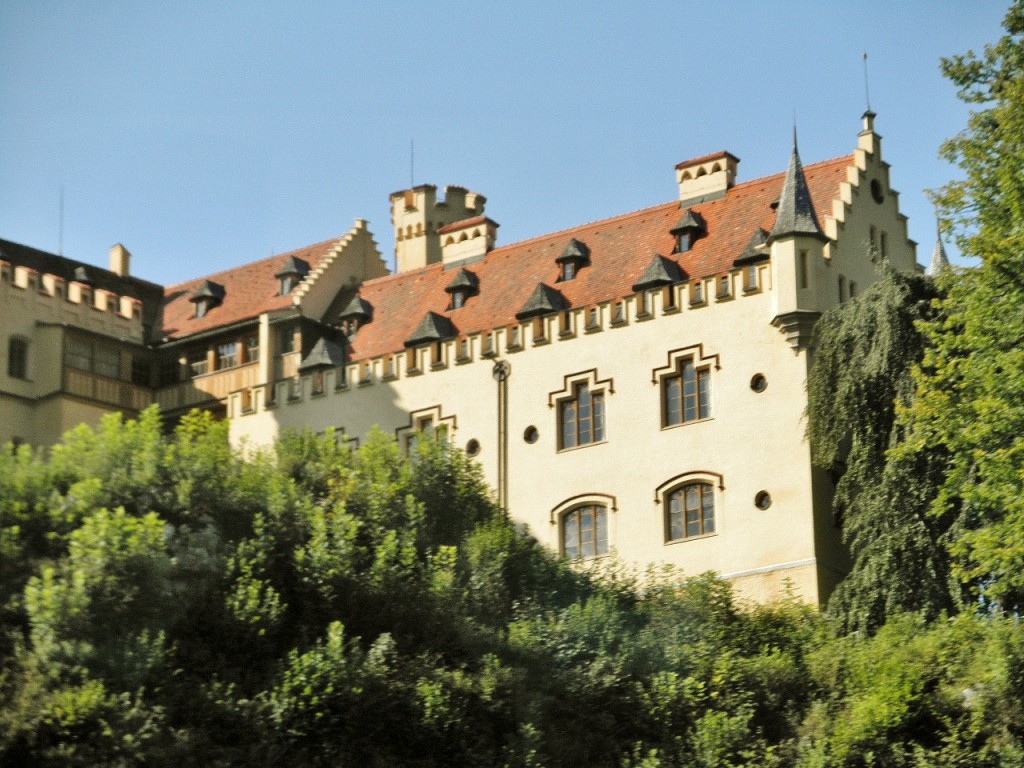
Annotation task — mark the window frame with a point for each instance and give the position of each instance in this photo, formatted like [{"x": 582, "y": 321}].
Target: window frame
[
  {"x": 704, "y": 365},
  {"x": 17, "y": 358},
  {"x": 696, "y": 495},
  {"x": 585, "y": 407},
  {"x": 599, "y": 539},
  {"x": 567, "y": 401},
  {"x": 699, "y": 395}
]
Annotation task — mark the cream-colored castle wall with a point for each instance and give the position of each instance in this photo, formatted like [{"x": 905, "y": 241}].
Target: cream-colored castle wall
[
  {"x": 38, "y": 308},
  {"x": 754, "y": 441}
]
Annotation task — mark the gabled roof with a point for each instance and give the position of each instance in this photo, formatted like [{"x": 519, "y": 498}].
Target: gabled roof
[
  {"x": 575, "y": 251},
  {"x": 543, "y": 301},
  {"x": 293, "y": 266},
  {"x": 620, "y": 249},
  {"x": 660, "y": 271},
  {"x": 463, "y": 281},
  {"x": 358, "y": 307},
  {"x": 208, "y": 290},
  {"x": 433, "y": 327},
  {"x": 324, "y": 354},
  {"x": 249, "y": 291},
  {"x": 755, "y": 250},
  {"x": 689, "y": 222}
]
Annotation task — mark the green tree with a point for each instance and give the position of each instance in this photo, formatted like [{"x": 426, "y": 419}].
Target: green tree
[
  {"x": 866, "y": 350},
  {"x": 970, "y": 399}
]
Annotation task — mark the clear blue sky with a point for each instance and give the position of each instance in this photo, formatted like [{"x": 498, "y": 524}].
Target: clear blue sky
[{"x": 206, "y": 134}]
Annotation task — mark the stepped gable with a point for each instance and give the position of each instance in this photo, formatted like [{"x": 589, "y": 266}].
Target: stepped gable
[
  {"x": 249, "y": 291},
  {"x": 620, "y": 249}
]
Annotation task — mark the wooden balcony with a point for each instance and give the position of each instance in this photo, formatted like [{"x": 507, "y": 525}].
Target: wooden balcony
[
  {"x": 207, "y": 388},
  {"x": 119, "y": 394}
]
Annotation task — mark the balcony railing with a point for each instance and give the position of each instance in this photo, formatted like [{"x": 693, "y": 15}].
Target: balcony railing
[
  {"x": 106, "y": 390},
  {"x": 207, "y": 387}
]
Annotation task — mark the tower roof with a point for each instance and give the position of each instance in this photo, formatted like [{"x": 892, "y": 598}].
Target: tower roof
[
  {"x": 940, "y": 262},
  {"x": 795, "y": 214},
  {"x": 324, "y": 354}
]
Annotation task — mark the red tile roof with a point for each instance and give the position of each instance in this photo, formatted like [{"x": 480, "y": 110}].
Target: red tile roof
[
  {"x": 706, "y": 158},
  {"x": 621, "y": 248},
  {"x": 249, "y": 291},
  {"x": 464, "y": 224}
]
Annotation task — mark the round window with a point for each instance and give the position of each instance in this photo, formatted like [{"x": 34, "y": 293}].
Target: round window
[
  {"x": 472, "y": 447},
  {"x": 531, "y": 434},
  {"x": 759, "y": 383},
  {"x": 763, "y": 500}
]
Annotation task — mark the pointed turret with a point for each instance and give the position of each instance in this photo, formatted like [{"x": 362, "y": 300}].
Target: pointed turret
[
  {"x": 940, "y": 262},
  {"x": 795, "y": 214}
]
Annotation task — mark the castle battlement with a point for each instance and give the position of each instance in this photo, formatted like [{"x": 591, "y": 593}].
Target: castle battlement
[{"x": 69, "y": 297}]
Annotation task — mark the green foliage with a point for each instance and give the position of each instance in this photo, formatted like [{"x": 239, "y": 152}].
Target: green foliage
[
  {"x": 373, "y": 610},
  {"x": 970, "y": 401},
  {"x": 861, "y": 379}
]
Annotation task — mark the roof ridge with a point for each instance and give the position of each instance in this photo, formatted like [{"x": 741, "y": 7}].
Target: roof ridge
[{"x": 292, "y": 252}]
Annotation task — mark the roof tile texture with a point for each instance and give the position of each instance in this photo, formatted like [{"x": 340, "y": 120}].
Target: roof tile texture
[{"x": 621, "y": 249}]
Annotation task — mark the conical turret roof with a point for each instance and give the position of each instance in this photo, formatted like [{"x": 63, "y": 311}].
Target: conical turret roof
[
  {"x": 324, "y": 354},
  {"x": 940, "y": 262},
  {"x": 795, "y": 215}
]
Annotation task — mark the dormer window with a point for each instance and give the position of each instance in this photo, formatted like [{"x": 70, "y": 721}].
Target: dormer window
[
  {"x": 292, "y": 272},
  {"x": 462, "y": 286},
  {"x": 207, "y": 296},
  {"x": 355, "y": 315},
  {"x": 575, "y": 256},
  {"x": 686, "y": 231}
]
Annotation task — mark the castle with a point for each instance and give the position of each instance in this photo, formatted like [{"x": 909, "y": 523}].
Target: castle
[{"x": 634, "y": 385}]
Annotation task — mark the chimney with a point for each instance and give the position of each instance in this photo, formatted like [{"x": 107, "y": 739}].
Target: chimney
[
  {"x": 120, "y": 259},
  {"x": 706, "y": 178}
]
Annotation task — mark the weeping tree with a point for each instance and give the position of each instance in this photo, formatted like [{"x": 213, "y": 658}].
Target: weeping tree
[{"x": 858, "y": 390}]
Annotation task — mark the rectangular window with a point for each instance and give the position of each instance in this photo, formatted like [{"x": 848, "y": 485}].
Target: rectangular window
[
  {"x": 669, "y": 298},
  {"x": 842, "y": 289},
  {"x": 252, "y": 349},
  {"x": 170, "y": 371},
  {"x": 140, "y": 371},
  {"x": 197, "y": 363},
  {"x": 78, "y": 355},
  {"x": 686, "y": 394},
  {"x": 883, "y": 245},
  {"x": 853, "y": 289},
  {"x": 107, "y": 362},
  {"x": 804, "y": 279},
  {"x": 286, "y": 340},
  {"x": 227, "y": 355},
  {"x": 723, "y": 286},
  {"x": 697, "y": 292},
  {"x": 750, "y": 278},
  {"x": 17, "y": 359},
  {"x": 582, "y": 418}
]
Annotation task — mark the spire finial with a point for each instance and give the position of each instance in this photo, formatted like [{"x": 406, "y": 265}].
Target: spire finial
[{"x": 867, "y": 95}]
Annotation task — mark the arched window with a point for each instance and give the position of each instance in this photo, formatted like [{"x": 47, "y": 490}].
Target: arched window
[
  {"x": 689, "y": 511},
  {"x": 584, "y": 531}
]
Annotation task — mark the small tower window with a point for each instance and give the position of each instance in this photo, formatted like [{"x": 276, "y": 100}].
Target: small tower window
[{"x": 292, "y": 272}]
